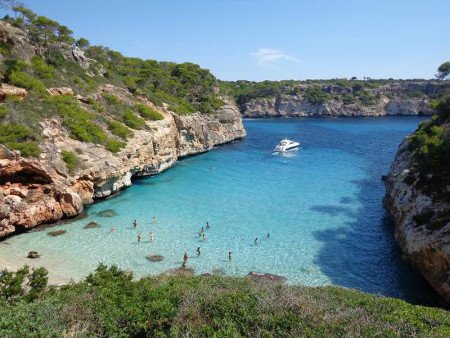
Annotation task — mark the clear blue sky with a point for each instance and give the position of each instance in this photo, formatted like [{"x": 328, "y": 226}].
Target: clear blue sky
[{"x": 269, "y": 39}]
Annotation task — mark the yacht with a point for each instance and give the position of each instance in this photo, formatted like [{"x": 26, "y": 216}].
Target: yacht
[{"x": 286, "y": 145}]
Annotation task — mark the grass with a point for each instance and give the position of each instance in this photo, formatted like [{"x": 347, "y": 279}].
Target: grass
[
  {"x": 148, "y": 113},
  {"x": 18, "y": 137},
  {"x": 70, "y": 158},
  {"x": 110, "y": 303}
]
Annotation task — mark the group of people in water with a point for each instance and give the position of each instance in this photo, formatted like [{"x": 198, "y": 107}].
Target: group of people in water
[{"x": 201, "y": 234}]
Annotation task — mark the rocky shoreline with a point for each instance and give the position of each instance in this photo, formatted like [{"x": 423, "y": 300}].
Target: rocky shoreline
[
  {"x": 424, "y": 246},
  {"x": 37, "y": 191}
]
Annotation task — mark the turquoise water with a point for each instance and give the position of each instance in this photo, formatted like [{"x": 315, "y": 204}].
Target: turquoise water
[{"x": 321, "y": 205}]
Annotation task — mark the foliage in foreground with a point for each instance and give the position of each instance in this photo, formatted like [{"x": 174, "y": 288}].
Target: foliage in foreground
[{"x": 110, "y": 303}]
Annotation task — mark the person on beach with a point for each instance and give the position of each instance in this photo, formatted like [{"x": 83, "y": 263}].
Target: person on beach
[
  {"x": 150, "y": 236},
  {"x": 135, "y": 224},
  {"x": 198, "y": 251},
  {"x": 207, "y": 225},
  {"x": 229, "y": 256},
  {"x": 185, "y": 259},
  {"x": 139, "y": 238},
  {"x": 256, "y": 241}
]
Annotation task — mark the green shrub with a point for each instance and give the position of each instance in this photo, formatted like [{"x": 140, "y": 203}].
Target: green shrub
[
  {"x": 18, "y": 137},
  {"x": 114, "y": 146},
  {"x": 70, "y": 158},
  {"x": 112, "y": 99},
  {"x": 80, "y": 122},
  {"x": 148, "y": 113},
  {"x": 133, "y": 121},
  {"x": 2, "y": 111},
  {"x": 41, "y": 68},
  {"x": 315, "y": 95},
  {"x": 119, "y": 129},
  {"x": 22, "y": 79}
]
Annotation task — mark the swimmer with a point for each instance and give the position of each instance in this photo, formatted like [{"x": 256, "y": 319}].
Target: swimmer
[
  {"x": 229, "y": 256},
  {"x": 204, "y": 237},
  {"x": 256, "y": 241},
  {"x": 150, "y": 236},
  {"x": 139, "y": 238},
  {"x": 268, "y": 235},
  {"x": 207, "y": 225},
  {"x": 185, "y": 259},
  {"x": 112, "y": 229},
  {"x": 202, "y": 230},
  {"x": 154, "y": 220},
  {"x": 135, "y": 224},
  {"x": 198, "y": 251}
]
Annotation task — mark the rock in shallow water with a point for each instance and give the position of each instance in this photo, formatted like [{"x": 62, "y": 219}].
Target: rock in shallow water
[
  {"x": 107, "y": 213},
  {"x": 92, "y": 225},
  {"x": 56, "y": 233},
  {"x": 266, "y": 278},
  {"x": 155, "y": 258},
  {"x": 33, "y": 254}
]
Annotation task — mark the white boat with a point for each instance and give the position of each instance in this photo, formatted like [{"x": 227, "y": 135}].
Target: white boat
[{"x": 286, "y": 145}]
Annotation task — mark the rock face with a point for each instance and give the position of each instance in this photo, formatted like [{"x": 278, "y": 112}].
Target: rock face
[
  {"x": 36, "y": 191},
  {"x": 392, "y": 100},
  {"x": 425, "y": 246},
  {"x": 8, "y": 90}
]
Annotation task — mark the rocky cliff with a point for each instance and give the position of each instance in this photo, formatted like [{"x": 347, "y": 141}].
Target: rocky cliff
[
  {"x": 36, "y": 191},
  {"x": 422, "y": 219},
  {"x": 392, "y": 98}
]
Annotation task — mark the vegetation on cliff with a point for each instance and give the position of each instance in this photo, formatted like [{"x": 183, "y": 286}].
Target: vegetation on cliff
[
  {"x": 366, "y": 92},
  {"x": 110, "y": 303},
  {"x": 37, "y": 53}
]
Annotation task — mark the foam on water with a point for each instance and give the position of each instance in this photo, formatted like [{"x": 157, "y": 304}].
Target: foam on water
[{"x": 322, "y": 206}]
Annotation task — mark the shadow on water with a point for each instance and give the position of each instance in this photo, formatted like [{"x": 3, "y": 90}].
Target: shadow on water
[{"x": 363, "y": 254}]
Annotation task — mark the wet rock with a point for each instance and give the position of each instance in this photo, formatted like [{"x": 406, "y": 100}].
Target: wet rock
[
  {"x": 266, "y": 278},
  {"x": 33, "y": 254},
  {"x": 56, "y": 233},
  {"x": 186, "y": 271},
  {"x": 155, "y": 258},
  {"x": 92, "y": 225},
  {"x": 107, "y": 213}
]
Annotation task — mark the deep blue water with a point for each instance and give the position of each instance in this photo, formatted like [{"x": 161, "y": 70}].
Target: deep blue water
[{"x": 321, "y": 205}]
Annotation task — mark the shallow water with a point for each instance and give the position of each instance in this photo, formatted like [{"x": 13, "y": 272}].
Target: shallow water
[{"x": 321, "y": 205}]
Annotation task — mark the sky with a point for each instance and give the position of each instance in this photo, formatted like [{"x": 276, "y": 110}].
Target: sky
[{"x": 269, "y": 39}]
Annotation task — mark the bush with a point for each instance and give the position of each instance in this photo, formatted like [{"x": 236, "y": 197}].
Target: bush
[
  {"x": 22, "y": 79},
  {"x": 41, "y": 68},
  {"x": 133, "y": 121},
  {"x": 315, "y": 95},
  {"x": 112, "y": 99},
  {"x": 2, "y": 111},
  {"x": 70, "y": 158},
  {"x": 18, "y": 137},
  {"x": 114, "y": 146},
  {"x": 119, "y": 129},
  {"x": 148, "y": 113}
]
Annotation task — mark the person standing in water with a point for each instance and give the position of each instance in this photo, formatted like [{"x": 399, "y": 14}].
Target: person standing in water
[
  {"x": 204, "y": 237},
  {"x": 229, "y": 256},
  {"x": 207, "y": 225},
  {"x": 150, "y": 236},
  {"x": 268, "y": 235},
  {"x": 154, "y": 220},
  {"x": 112, "y": 229},
  {"x": 185, "y": 259},
  {"x": 256, "y": 241},
  {"x": 139, "y": 238},
  {"x": 135, "y": 224},
  {"x": 198, "y": 251}
]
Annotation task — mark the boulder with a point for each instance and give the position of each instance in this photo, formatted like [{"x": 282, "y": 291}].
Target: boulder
[
  {"x": 92, "y": 225},
  {"x": 56, "y": 233},
  {"x": 107, "y": 213},
  {"x": 155, "y": 258},
  {"x": 55, "y": 91},
  {"x": 33, "y": 254},
  {"x": 8, "y": 90}
]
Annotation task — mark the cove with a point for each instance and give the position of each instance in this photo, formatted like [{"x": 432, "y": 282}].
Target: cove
[{"x": 321, "y": 205}]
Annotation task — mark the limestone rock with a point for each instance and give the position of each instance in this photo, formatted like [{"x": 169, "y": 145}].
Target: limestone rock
[
  {"x": 56, "y": 233},
  {"x": 55, "y": 91},
  {"x": 33, "y": 254},
  {"x": 8, "y": 90}
]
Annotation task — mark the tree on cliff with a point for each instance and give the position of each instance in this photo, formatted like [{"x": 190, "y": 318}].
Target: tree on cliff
[{"x": 443, "y": 71}]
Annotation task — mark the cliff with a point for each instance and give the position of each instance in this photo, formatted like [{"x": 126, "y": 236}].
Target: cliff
[
  {"x": 417, "y": 197},
  {"x": 41, "y": 190},
  {"x": 337, "y": 98}
]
